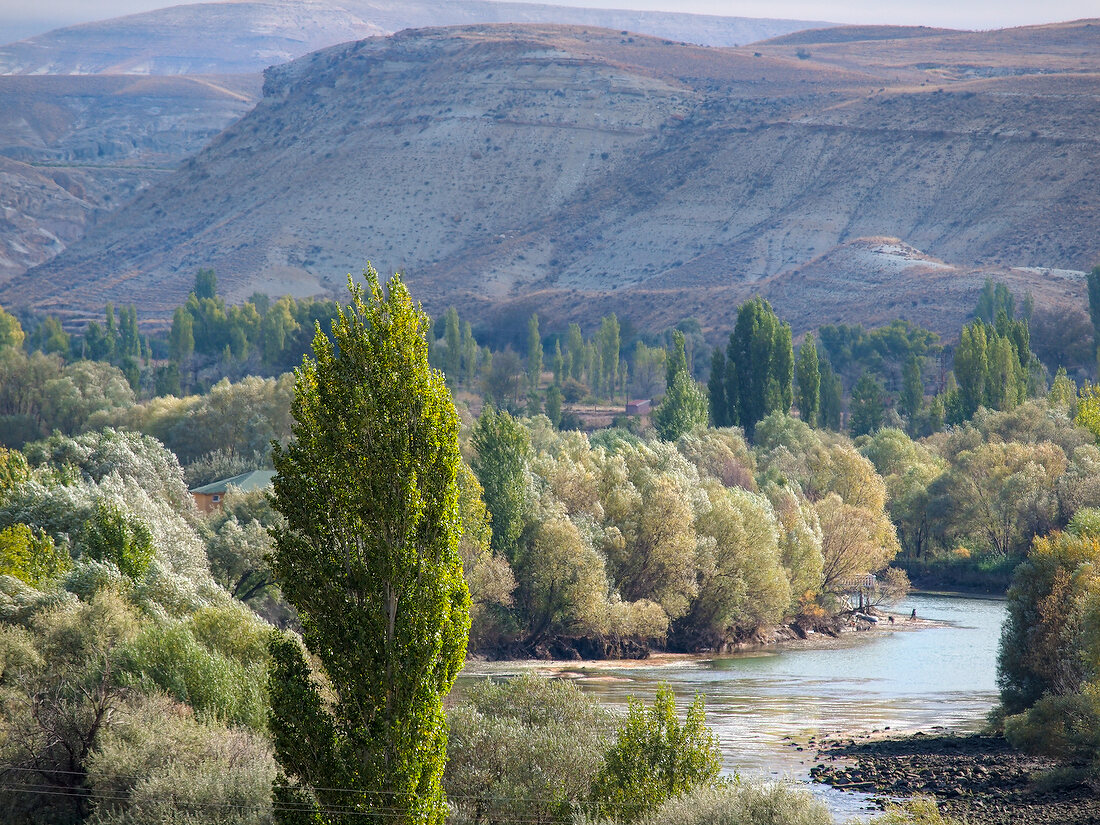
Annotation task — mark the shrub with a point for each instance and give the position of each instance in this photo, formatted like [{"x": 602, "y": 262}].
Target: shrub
[
  {"x": 655, "y": 758},
  {"x": 159, "y": 764},
  {"x": 1066, "y": 728},
  {"x": 742, "y": 804},
  {"x": 111, "y": 535},
  {"x": 523, "y": 750},
  {"x": 31, "y": 556}
]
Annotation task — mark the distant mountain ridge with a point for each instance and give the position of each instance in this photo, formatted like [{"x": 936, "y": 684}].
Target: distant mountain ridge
[
  {"x": 577, "y": 171},
  {"x": 245, "y": 36},
  {"x": 78, "y": 145}
]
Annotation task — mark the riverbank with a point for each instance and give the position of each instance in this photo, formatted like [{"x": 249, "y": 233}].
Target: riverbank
[
  {"x": 837, "y": 631},
  {"x": 980, "y": 779}
]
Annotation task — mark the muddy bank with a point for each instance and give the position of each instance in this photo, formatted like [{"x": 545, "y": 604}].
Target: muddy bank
[
  {"x": 979, "y": 778},
  {"x": 820, "y": 633}
]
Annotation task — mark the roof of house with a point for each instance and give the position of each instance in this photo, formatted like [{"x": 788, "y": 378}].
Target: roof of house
[{"x": 247, "y": 482}]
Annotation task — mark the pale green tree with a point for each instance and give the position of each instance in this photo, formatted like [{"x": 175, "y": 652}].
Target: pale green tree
[
  {"x": 369, "y": 558},
  {"x": 452, "y": 335},
  {"x": 607, "y": 340},
  {"x": 11, "y": 333}
]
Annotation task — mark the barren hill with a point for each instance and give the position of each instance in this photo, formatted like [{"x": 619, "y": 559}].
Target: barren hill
[
  {"x": 579, "y": 170},
  {"x": 73, "y": 146},
  {"x": 84, "y": 145},
  {"x": 247, "y": 36}
]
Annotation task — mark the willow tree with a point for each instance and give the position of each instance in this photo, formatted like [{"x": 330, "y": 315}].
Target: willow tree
[{"x": 369, "y": 557}]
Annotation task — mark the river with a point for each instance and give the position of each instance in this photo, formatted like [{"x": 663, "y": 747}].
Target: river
[{"x": 759, "y": 702}]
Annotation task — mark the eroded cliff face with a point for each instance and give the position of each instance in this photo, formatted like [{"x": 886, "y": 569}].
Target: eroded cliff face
[
  {"x": 582, "y": 171},
  {"x": 72, "y": 147}
]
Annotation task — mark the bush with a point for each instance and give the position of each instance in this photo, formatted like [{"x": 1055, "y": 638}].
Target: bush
[
  {"x": 31, "y": 556},
  {"x": 159, "y": 764},
  {"x": 217, "y": 685},
  {"x": 920, "y": 810},
  {"x": 742, "y": 804},
  {"x": 1066, "y": 728},
  {"x": 655, "y": 758},
  {"x": 523, "y": 750},
  {"x": 111, "y": 535}
]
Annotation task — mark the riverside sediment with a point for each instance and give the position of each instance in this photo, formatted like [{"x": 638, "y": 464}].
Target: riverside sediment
[{"x": 978, "y": 778}]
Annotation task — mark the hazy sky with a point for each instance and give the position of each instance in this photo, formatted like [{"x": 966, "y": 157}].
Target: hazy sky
[{"x": 22, "y": 18}]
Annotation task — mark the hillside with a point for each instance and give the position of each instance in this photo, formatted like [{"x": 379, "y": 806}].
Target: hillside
[
  {"x": 109, "y": 138},
  {"x": 71, "y": 147},
  {"x": 575, "y": 170},
  {"x": 247, "y": 36}
]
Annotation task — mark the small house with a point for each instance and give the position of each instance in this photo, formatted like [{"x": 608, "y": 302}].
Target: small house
[
  {"x": 640, "y": 407},
  {"x": 208, "y": 497}
]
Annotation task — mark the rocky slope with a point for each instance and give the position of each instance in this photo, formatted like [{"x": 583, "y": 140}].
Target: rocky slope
[
  {"x": 71, "y": 147},
  {"x": 247, "y": 36},
  {"x": 576, "y": 170}
]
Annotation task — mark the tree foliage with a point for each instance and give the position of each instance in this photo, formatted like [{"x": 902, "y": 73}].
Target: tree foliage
[
  {"x": 523, "y": 749},
  {"x": 759, "y": 366},
  {"x": 684, "y": 406},
  {"x": 808, "y": 386},
  {"x": 656, "y": 757},
  {"x": 369, "y": 557},
  {"x": 501, "y": 451}
]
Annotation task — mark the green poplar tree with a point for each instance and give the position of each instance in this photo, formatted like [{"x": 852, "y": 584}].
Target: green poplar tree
[
  {"x": 912, "y": 391},
  {"x": 760, "y": 365},
  {"x": 369, "y": 558},
  {"x": 829, "y": 414},
  {"x": 575, "y": 344},
  {"x": 206, "y": 284},
  {"x": 452, "y": 334},
  {"x": 502, "y": 449},
  {"x": 558, "y": 363},
  {"x": 553, "y": 404},
  {"x": 808, "y": 374},
  {"x": 972, "y": 367},
  {"x": 469, "y": 353},
  {"x": 534, "y": 352},
  {"x": 716, "y": 390},
  {"x": 867, "y": 409},
  {"x": 181, "y": 340},
  {"x": 1093, "y": 281},
  {"x": 608, "y": 342},
  {"x": 684, "y": 406}
]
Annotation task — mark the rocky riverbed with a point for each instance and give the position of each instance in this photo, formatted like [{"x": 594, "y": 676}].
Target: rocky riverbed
[{"x": 980, "y": 779}]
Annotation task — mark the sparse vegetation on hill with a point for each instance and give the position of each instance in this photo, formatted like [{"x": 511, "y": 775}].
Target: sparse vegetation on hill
[{"x": 674, "y": 203}]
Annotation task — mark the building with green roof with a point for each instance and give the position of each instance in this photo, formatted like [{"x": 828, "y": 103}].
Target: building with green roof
[{"x": 209, "y": 497}]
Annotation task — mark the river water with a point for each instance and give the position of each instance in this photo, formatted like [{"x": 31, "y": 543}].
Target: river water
[{"x": 764, "y": 705}]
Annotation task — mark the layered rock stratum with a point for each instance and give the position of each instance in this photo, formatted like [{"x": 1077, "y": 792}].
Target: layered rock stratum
[{"x": 879, "y": 173}]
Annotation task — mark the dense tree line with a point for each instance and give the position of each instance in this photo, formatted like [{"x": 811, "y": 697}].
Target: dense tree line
[{"x": 697, "y": 540}]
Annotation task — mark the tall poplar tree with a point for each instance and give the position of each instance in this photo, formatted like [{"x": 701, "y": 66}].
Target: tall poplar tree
[
  {"x": 716, "y": 390},
  {"x": 502, "y": 450},
  {"x": 452, "y": 334},
  {"x": 912, "y": 391},
  {"x": 369, "y": 557},
  {"x": 808, "y": 374},
  {"x": 684, "y": 406},
  {"x": 608, "y": 342},
  {"x": 534, "y": 352},
  {"x": 1093, "y": 280},
  {"x": 759, "y": 365}
]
